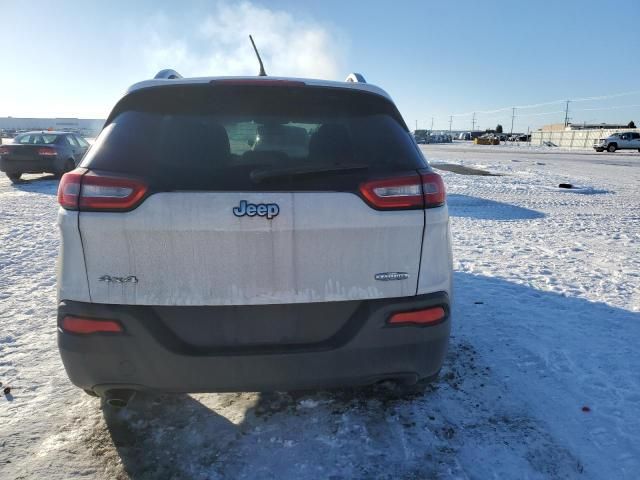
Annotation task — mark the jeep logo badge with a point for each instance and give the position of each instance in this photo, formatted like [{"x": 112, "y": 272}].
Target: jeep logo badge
[{"x": 269, "y": 210}]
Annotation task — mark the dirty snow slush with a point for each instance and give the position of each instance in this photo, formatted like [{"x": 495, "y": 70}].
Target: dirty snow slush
[{"x": 542, "y": 379}]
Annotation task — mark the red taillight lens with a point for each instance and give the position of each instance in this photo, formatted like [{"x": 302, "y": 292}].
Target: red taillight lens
[
  {"x": 47, "y": 152},
  {"x": 4, "y": 150},
  {"x": 84, "y": 190},
  {"x": 408, "y": 192},
  {"x": 428, "y": 316},
  {"x": 433, "y": 188},
  {"x": 394, "y": 193},
  {"x": 86, "y": 326},
  {"x": 69, "y": 189}
]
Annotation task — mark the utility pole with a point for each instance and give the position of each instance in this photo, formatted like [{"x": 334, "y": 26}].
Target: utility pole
[
  {"x": 566, "y": 114},
  {"x": 431, "y": 125},
  {"x": 416, "y": 124},
  {"x": 473, "y": 122},
  {"x": 450, "y": 122},
  {"x": 513, "y": 116}
]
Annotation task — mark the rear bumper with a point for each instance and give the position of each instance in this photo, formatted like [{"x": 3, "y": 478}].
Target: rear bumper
[
  {"x": 39, "y": 165},
  {"x": 148, "y": 356}
]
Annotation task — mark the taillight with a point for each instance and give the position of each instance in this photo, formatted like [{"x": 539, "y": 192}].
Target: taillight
[
  {"x": 433, "y": 188},
  {"x": 394, "y": 193},
  {"x": 69, "y": 189},
  {"x": 47, "y": 152},
  {"x": 83, "y": 190},
  {"x": 110, "y": 193},
  {"x": 4, "y": 150},
  {"x": 427, "y": 316},
  {"x": 407, "y": 192},
  {"x": 86, "y": 326}
]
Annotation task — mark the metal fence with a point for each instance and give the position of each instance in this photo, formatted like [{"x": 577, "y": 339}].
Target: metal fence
[{"x": 578, "y": 139}]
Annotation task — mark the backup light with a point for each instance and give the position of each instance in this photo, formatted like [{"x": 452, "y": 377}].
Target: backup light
[
  {"x": 85, "y": 190},
  {"x": 394, "y": 193},
  {"x": 425, "y": 190}
]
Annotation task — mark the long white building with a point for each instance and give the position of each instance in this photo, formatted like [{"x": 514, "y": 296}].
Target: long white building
[{"x": 86, "y": 126}]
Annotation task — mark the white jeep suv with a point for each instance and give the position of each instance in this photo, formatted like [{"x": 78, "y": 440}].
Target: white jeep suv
[{"x": 243, "y": 234}]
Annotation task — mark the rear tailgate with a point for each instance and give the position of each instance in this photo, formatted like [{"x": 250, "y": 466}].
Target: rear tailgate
[
  {"x": 188, "y": 248},
  {"x": 207, "y": 232}
]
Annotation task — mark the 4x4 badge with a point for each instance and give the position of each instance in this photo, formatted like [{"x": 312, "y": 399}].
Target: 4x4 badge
[
  {"x": 269, "y": 210},
  {"x": 110, "y": 279}
]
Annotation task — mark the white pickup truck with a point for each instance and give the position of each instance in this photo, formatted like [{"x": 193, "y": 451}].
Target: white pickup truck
[{"x": 618, "y": 141}]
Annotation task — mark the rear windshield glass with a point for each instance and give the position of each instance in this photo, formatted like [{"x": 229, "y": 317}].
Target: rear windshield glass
[
  {"x": 253, "y": 138},
  {"x": 35, "y": 139}
]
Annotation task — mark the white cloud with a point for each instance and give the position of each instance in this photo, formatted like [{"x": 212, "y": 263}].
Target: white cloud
[{"x": 219, "y": 44}]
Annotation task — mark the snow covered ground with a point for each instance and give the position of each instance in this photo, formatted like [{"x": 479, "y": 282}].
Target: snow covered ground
[{"x": 542, "y": 379}]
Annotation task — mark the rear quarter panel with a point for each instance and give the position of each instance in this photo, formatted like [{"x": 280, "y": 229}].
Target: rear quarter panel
[
  {"x": 436, "y": 265},
  {"x": 72, "y": 274}
]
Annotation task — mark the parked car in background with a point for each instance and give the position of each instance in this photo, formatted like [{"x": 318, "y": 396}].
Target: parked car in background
[
  {"x": 618, "y": 141},
  {"x": 42, "y": 152},
  {"x": 421, "y": 136},
  {"x": 8, "y": 133}
]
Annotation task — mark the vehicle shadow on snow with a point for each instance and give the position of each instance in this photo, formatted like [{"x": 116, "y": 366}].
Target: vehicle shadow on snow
[
  {"x": 47, "y": 184},
  {"x": 472, "y": 422},
  {"x": 483, "y": 209}
]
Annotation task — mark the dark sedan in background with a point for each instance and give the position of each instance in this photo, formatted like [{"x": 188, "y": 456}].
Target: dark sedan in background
[{"x": 42, "y": 152}]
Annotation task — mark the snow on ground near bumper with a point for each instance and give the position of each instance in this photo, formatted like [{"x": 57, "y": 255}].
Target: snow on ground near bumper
[{"x": 546, "y": 321}]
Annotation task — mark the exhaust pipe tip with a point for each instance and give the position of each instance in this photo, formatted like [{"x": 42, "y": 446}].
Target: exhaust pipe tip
[{"x": 118, "y": 398}]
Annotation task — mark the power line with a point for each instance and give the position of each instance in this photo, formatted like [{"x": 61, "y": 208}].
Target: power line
[
  {"x": 541, "y": 113},
  {"x": 536, "y": 105},
  {"x": 613, "y": 107},
  {"x": 606, "y": 97},
  {"x": 518, "y": 114}
]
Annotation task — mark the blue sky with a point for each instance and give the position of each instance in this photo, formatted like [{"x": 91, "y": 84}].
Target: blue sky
[{"x": 75, "y": 58}]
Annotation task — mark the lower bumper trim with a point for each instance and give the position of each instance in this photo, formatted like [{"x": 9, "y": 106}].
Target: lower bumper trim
[{"x": 371, "y": 351}]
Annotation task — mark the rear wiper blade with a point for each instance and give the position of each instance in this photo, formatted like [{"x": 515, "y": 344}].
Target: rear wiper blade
[{"x": 258, "y": 176}]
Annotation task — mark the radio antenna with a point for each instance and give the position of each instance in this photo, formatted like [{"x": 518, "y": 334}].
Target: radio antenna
[{"x": 262, "y": 72}]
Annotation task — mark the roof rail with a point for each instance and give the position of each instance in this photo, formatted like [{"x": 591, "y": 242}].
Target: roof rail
[
  {"x": 355, "y": 78},
  {"x": 167, "y": 74}
]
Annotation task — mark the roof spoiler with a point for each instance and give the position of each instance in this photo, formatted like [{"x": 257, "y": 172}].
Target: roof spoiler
[
  {"x": 167, "y": 74},
  {"x": 355, "y": 78}
]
